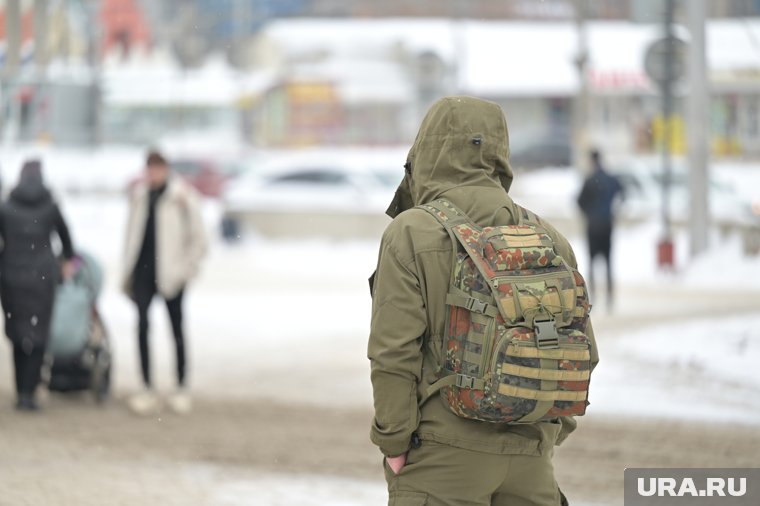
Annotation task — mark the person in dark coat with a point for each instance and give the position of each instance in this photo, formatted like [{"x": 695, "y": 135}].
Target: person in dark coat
[
  {"x": 29, "y": 273},
  {"x": 600, "y": 189}
]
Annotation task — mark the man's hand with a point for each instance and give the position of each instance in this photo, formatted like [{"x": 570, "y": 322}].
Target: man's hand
[{"x": 396, "y": 463}]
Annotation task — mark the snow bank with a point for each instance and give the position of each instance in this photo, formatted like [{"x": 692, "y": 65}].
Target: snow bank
[{"x": 703, "y": 370}]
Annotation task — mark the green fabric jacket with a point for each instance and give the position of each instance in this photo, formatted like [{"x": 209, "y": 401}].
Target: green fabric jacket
[{"x": 460, "y": 153}]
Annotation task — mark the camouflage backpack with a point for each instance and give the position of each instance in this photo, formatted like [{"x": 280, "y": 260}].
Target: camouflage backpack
[{"x": 515, "y": 348}]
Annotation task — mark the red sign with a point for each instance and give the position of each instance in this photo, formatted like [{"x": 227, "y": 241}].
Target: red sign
[{"x": 618, "y": 80}]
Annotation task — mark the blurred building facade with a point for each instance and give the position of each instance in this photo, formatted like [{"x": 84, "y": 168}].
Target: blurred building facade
[
  {"x": 47, "y": 95},
  {"x": 363, "y": 72},
  {"x": 124, "y": 26},
  {"x": 643, "y": 10},
  {"x": 537, "y": 88}
]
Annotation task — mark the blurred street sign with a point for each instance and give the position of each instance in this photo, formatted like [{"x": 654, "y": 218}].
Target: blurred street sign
[{"x": 656, "y": 58}]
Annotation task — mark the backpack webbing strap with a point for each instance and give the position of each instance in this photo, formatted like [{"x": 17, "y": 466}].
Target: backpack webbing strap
[
  {"x": 447, "y": 216},
  {"x": 455, "y": 298},
  {"x": 451, "y": 218},
  {"x": 455, "y": 380},
  {"x": 446, "y": 213}
]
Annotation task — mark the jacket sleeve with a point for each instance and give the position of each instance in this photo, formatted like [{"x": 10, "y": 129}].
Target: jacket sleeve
[
  {"x": 63, "y": 233},
  {"x": 395, "y": 350},
  {"x": 197, "y": 241},
  {"x": 584, "y": 196}
]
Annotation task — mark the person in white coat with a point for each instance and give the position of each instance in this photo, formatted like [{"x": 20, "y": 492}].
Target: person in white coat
[{"x": 165, "y": 244}]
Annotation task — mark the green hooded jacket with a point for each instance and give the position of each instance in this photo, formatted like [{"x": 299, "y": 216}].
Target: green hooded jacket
[{"x": 460, "y": 153}]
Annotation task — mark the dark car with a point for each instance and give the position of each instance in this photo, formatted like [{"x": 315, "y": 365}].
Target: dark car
[{"x": 549, "y": 151}]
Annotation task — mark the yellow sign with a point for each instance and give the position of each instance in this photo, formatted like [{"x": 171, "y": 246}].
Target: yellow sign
[
  {"x": 311, "y": 92},
  {"x": 677, "y": 134}
]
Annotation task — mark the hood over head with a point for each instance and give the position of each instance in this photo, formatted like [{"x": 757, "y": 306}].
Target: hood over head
[
  {"x": 31, "y": 188},
  {"x": 463, "y": 141}
]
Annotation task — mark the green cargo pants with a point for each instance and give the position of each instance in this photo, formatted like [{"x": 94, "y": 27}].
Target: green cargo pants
[{"x": 440, "y": 475}]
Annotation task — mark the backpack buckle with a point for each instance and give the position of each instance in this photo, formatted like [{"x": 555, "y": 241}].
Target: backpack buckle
[
  {"x": 477, "y": 305},
  {"x": 464, "y": 381},
  {"x": 547, "y": 336}
]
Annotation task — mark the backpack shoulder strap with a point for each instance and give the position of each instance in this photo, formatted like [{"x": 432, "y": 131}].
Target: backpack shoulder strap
[
  {"x": 449, "y": 216},
  {"x": 463, "y": 231},
  {"x": 446, "y": 213},
  {"x": 527, "y": 217}
]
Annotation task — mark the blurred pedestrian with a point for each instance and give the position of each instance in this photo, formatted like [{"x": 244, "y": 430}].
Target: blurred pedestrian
[
  {"x": 596, "y": 199},
  {"x": 431, "y": 365},
  {"x": 165, "y": 243},
  {"x": 29, "y": 273}
]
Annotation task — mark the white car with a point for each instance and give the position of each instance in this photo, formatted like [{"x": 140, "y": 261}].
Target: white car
[
  {"x": 642, "y": 180},
  {"x": 326, "y": 189}
]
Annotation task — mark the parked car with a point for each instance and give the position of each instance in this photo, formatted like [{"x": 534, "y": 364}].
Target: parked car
[
  {"x": 552, "y": 193},
  {"x": 642, "y": 180},
  {"x": 545, "y": 151},
  {"x": 336, "y": 192}
]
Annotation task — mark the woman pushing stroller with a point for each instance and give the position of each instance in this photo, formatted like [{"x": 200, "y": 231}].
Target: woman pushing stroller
[{"x": 29, "y": 273}]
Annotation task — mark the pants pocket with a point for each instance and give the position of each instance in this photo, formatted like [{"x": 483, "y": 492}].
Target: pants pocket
[
  {"x": 407, "y": 498},
  {"x": 389, "y": 474}
]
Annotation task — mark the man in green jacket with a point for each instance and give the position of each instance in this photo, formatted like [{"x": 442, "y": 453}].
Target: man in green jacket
[{"x": 432, "y": 456}]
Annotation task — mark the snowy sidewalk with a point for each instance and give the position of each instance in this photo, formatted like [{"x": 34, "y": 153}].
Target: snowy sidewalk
[{"x": 681, "y": 348}]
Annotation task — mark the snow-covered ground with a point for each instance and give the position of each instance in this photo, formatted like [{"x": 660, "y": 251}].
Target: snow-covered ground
[
  {"x": 262, "y": 306},
  {"x": 703, "y": 369},
  {"x": 282, "y": 490},
  {"x": 308, "y": 490}
]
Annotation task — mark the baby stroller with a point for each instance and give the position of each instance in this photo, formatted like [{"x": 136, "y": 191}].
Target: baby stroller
[{"x": 79, "y": 351}]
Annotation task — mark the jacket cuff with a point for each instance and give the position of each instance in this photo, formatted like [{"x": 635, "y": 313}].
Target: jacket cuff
[{"x": 390, "y": 445}]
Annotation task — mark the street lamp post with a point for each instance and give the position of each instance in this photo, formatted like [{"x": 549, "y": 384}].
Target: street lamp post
[
  {"x": 699, "y": 213},
  {"x": 665, "y": 248},
  {"x": 581, "y": 115}
]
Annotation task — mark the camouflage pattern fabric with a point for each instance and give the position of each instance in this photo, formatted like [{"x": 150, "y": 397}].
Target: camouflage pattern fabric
[{"x": 515, "y": 348}]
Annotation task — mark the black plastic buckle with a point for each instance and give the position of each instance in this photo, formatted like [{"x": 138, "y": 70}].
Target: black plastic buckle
[{"x": 477, "y": 305}]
